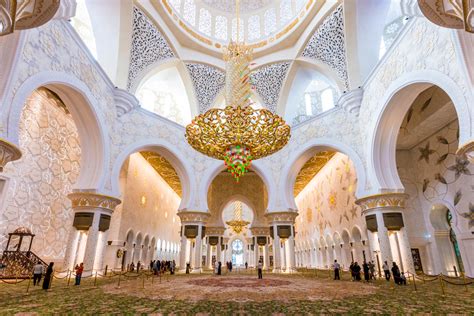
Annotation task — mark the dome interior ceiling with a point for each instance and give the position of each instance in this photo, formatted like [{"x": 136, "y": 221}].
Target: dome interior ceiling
[{"x": 228, "y": 6}]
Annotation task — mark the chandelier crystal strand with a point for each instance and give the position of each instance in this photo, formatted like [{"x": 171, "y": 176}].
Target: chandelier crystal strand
[
  {"x": 237, "y": 224},
  {"x": 238, "y": 134}
]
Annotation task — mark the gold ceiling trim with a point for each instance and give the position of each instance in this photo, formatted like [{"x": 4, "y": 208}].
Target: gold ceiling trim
[
  {"x": 165, "y": 169},
  {"x": 310, "y": 169}
]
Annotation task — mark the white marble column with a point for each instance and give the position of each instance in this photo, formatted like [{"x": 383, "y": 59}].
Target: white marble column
[
  {"x": 291, "y": 251},
  {"x": 383, "y": 239},
  {"x": 71, "y": 248},
  {"x": 266, "y": 257},
  {"x": 219, "y": 250},
  {"x": 208, "y": 254},
  {"x": 95, "y": 204},
  {"x": 276, "y": 250},
  {"x": 257, "y": 250},
  {"x": 198, "y": 251},
  {"x": 182, "y": 254}
]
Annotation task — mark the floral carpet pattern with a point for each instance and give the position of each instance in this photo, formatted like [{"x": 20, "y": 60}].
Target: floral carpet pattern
[{"x": 297, "y": 294}]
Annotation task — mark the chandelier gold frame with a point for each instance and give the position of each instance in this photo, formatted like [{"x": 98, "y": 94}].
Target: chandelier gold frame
[{"x": 238, "y": 133}]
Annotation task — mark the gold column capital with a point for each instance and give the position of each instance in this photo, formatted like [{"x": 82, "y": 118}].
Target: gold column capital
[
  {"x": 188, "y": 217},
  {"x": 382, "y": 201},
  {"x": 282, "y": 217},
  {"x": 87, "y": 200},
  {"x": 467, "y": 150},
  {"x": 8, "y": 152}
]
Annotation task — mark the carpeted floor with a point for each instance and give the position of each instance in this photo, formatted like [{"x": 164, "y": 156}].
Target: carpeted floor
[{"x": 236, "y": 294}]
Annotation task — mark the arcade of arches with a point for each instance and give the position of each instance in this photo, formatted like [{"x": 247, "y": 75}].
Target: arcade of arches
[{"x": 379, "y": 167}]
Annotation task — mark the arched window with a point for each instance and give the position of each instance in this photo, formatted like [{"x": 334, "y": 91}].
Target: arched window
[
  {"x": 164, "y": 94},
  {"x": 238, "y": 252},
  {"x": 254, "y": 28},
  {"x": 205, "y": 21},
  {"x": 221, "y": 28},
  {"x": 190, "y": 12},
  {"x": 286, "y": 12},
  {"x": 234, "y": 29},
  {"x": 270, "y": 21}
]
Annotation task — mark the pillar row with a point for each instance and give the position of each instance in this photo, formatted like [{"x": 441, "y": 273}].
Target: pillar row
[
  {"x": 282, "y": 224},
  {"x": 192, "y": 229}
]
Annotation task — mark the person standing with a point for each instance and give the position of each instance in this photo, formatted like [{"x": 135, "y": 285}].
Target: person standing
[
  {"x": 357, "y": 271},
  {"x": 79, "y": 270},
  {"x": 372, "y": 270},
  {"x": 386, "y": 270},
  {"x": 259, "y": 268},
  {"x": 215, "y": 268},
  {"x": 219, "y": 268},
  {"x": 38, "y": 271},
  {"x": 132, "y": 266},
  {"x": 48, "y": 277},
  {"x": 396, "y": 273},
  {"x": 138, "y": 266},
  {"x": 337, "y": 268},
  {"x": 172, "y": 267},
  {"x": 246, "y": 265},
  {"x": 365, "y": 267}
]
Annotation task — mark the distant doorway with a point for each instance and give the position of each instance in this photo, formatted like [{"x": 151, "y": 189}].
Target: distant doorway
[{"x": 237, "y": 252}]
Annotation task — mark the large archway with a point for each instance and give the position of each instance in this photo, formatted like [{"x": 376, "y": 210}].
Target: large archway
[
  {"x": 322, "y": 185},
  {"x": 436, "y": 180},
  {"x": 152, "y": 190}
]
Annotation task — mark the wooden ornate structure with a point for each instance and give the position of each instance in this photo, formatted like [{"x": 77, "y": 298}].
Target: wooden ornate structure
[{"x": 17, "y": 262}]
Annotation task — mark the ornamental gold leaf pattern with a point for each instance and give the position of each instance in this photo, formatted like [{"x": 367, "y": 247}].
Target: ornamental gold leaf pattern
[
  {"x": 165, "y": 170},
  {"x": 263, "y": 132},
  {"x": 310, "y": 169}
]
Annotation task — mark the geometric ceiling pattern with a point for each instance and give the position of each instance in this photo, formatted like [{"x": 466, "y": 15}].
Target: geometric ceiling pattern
[
  {"x": 268, "y": 81},
  {"x": 148, "y": 46},
  {"x": 208, "y": 82},
  {"x": 164, "y": 169},
  {"x": 327, "y": 44},
  {"x": 310, "y": 169}
]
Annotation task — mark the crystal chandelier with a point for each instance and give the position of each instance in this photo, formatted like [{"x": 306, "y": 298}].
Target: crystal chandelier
[
  {"x": 238, "y": 134},
  {"x": 237, "y": 224}
]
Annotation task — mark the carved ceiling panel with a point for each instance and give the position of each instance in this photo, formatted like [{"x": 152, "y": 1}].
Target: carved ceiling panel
[
  {"x": 165, "y": 169},
  {"x": 310, "y": 169}
]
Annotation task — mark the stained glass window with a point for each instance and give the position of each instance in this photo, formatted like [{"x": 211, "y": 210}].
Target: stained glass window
[
  {"x": 254, "y": 28},
  {"x": 205, "y": 21},
  {"x": 270, "y": 21},
  {"x": 221, "y": 28},
  {"x": 190, "y": 12}
]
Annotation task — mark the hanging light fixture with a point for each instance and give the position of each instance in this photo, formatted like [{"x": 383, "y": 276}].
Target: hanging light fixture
[
  {"x": 237, "y": 224},
  {"x": 238, "y": 134}
]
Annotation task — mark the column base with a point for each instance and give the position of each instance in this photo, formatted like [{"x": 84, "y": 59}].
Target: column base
[
  {"x": 277, "y": 270},
  {"x": 196, "y": 270}
]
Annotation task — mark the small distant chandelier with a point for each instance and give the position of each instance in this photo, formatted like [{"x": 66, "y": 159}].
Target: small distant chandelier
[
  {"x": 237, "y": 224},
  {"x": 238, "y": 134}
]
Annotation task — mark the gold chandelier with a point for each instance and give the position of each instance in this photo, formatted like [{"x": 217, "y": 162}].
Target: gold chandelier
[
  {"x": 237, "y": 224},
  {"x": 238, "y": 133}
]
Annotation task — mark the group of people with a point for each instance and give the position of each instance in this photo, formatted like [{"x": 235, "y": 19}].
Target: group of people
[
  {"x": 159, "y": 267},
  {"x": 398, "y": 277},
  {"x": 368, "y": 268},
  {"x": 38, "y": 272}
]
